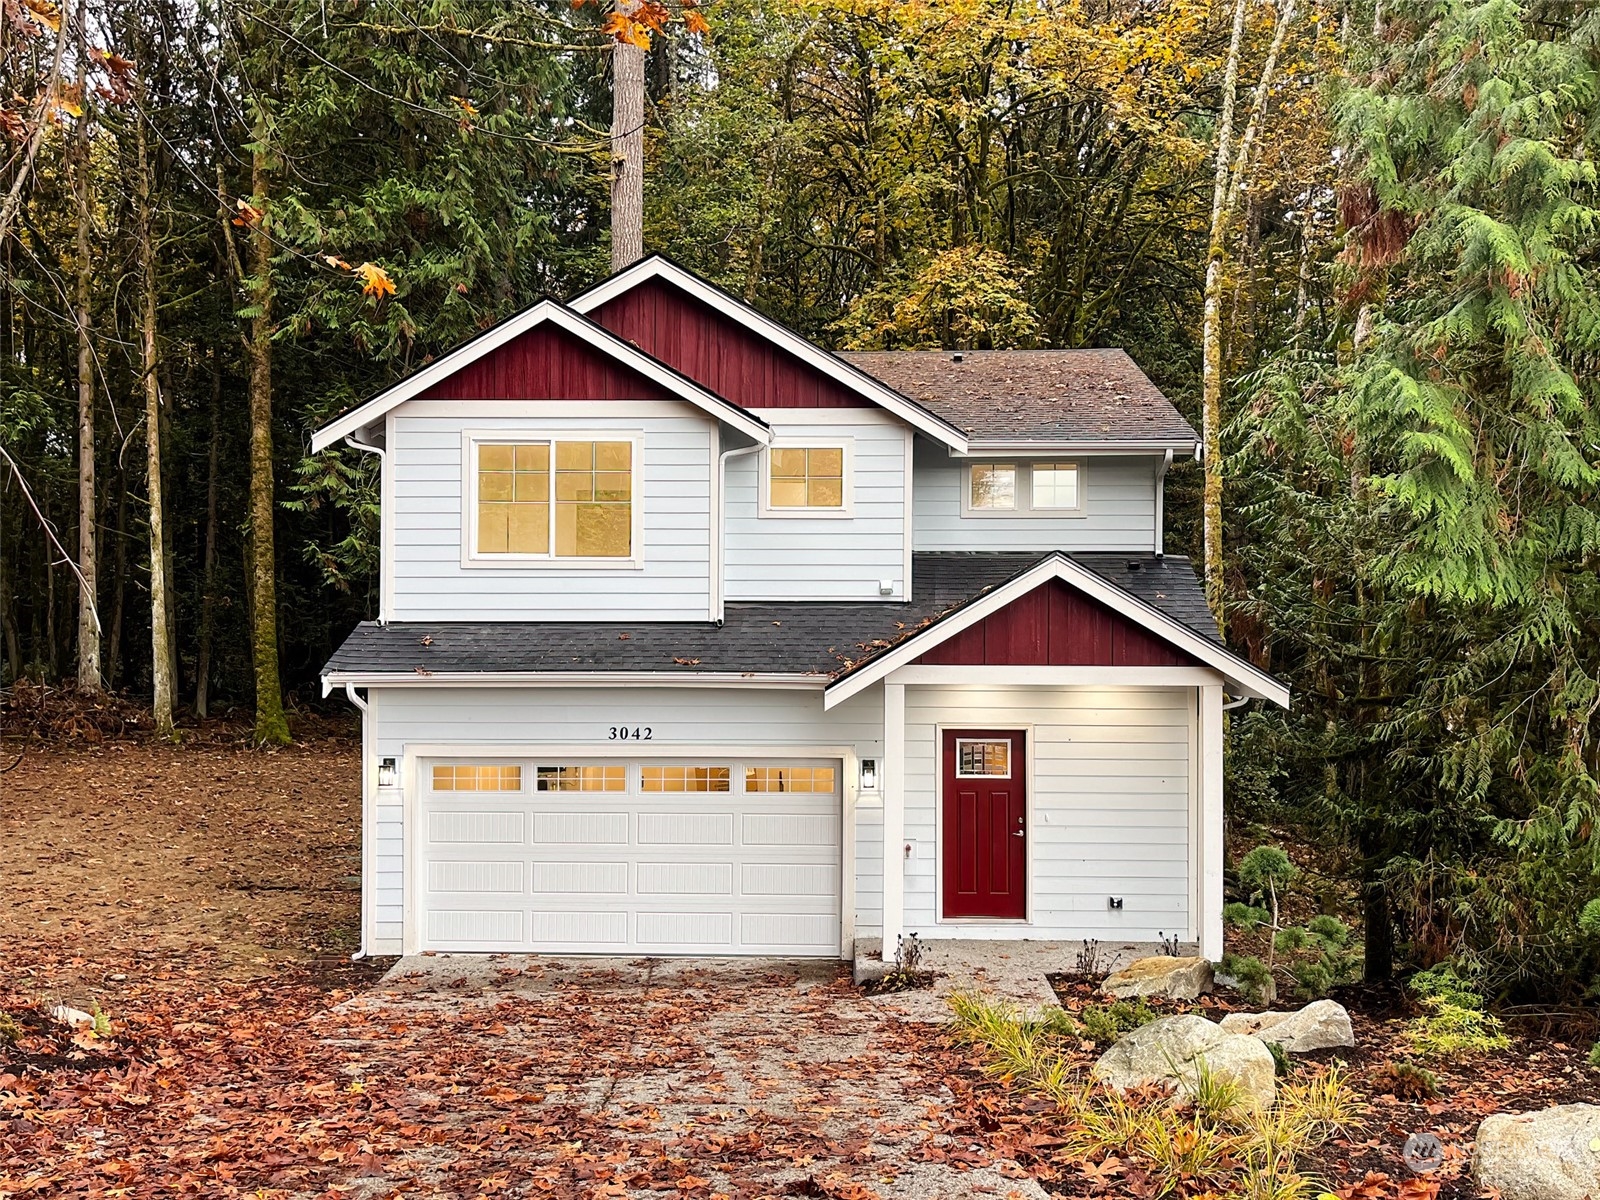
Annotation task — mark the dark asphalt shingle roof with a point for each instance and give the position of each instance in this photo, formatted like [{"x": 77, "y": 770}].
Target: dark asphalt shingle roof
[
  {"x": 1032, "y": 395},
  {"x": 791, "y": 637}
]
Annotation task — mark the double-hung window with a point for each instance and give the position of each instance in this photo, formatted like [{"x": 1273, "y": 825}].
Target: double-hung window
[
  {"x": 552, "y": 498},
  {"x": 1040, "y": 489}
]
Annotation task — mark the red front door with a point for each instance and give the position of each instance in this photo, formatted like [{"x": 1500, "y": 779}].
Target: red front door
[{"x": 985, "y": 834}]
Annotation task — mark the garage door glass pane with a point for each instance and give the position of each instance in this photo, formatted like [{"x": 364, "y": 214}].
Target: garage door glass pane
[
  {"x": 788, "y": 779},
  {"x": 685, "y": 779},
  {"x": 583, "y": 779},
  {"x": 476, "y": 777}
]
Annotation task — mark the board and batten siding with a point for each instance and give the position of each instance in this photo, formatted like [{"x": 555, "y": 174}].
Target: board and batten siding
[
  {"x": 827, "y": 557},
  {"x": 733, "y": 719},
  {"x": 1119, "y": 502},
  {"x": 1110, "y": 802},
  {"x": 672, "y": 485}
]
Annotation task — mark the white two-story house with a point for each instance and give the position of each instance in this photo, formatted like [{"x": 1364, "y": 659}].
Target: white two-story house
[{"x": 698, "y": 639}]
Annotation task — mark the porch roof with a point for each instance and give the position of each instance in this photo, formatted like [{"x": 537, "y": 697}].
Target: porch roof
[{"x": 801, "y": 639}]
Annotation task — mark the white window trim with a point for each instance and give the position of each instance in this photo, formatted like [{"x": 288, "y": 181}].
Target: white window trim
[
  {"x": 471, "y": 439},
  {"x": 764, "y": 480},
  {"x": 1024, "y": 505}
]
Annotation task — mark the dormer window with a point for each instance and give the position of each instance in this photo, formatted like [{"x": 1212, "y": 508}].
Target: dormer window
[
  {"x": 551, "y": 499},
  {"x": 806, "y": 481},
  {"x": 1041, "y": 489}
]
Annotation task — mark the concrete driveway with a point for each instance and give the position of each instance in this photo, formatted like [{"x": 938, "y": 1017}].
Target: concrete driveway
[{"x": 745, "y": 1078}]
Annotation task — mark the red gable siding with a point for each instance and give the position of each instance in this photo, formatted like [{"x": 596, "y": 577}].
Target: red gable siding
[
  {"x": 1056, "y": 625},
  {"x": 717, "y": 352},
  {"x": 546, "y": 363}
]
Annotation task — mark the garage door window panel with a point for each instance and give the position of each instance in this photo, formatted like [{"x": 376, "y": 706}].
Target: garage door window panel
[
  {"x": 686, "y": 779},
  {"x": 788, "y": 779},
  {"x": 476, "y": 777},
  {"x": 594, "y": 778}
]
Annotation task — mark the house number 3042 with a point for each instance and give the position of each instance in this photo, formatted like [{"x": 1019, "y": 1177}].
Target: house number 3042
[{"x": 632, "y": 733}]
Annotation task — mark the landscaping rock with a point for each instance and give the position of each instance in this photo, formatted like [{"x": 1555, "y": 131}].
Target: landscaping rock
[
  {"x": 1175, "y": 978},
  {"x": 1549, "y": 1155},
  {"x": 1320, "y": 1025},
  {"x": 1165, "y": 1051}
]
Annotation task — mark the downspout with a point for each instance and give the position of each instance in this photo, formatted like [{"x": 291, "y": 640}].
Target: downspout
[
  {"x": 721, "y": 519},
  {"x": 1239, "y": 703},
  {"x": 367, "y": 801},
  {"x": 383, "y": 471},
  {"x": 1161, "y": 503}
]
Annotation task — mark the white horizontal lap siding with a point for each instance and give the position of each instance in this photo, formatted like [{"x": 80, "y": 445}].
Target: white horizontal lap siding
[
  {"x": 672, "y": 484},
  {"x": 563, "y": 716},
  {"x": 1119, "y": 500},
  {"x": 1109, "y": 807},
  {"x": 824, "y": 558}
]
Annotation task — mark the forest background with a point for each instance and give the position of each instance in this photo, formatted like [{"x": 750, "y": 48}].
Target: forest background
[{"x": 1357, "y": 241}]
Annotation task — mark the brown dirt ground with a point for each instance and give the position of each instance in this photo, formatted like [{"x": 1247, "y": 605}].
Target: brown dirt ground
[{"x": 127, "y": 856}]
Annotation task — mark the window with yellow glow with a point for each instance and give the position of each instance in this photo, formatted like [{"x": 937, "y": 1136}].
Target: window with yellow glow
[
  {"x": 684, "y": 779},
  {"x": 788, "y": 779},
  {"x": 476, "y": 777},
  {"x": 583, "y": 779},
  {"x": 806, "y": 477},
  {"x": 583, "y": 508}
]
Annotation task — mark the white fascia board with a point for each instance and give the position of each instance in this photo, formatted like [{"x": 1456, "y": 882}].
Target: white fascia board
[
  {"x": 977, "y": 448},
  {"x": 581, "y": 327},
  {"x": 621, "y": 679},
  {"x": 1245, "y": 678},
  {"x": 829, "y": 364}
]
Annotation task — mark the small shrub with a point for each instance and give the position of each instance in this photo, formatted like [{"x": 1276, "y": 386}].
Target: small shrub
[
  {"x": 1244, "y": 916},
  {"x": 1456, "y": 1022},
  {"x": 1407, "y": 1081},
  {"x": 1215, "y": 1097},
  {"x": 1594, "y": 1055},
  {"x": 102, "y": 1022},
  {"x": 1281, "y": 1065},
  {"x": 1088, "y": 961},
  {"x": 1589, "y": 919},
  {"x": 1250, "y": 974},
  {"x": 1327, "y": 1102},
  {"x": 10, "y": 1031},
  {"x": 1105, "y": 1023}
]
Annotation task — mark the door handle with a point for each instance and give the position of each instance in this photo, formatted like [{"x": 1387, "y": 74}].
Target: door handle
[{"x": 1018, "y": 833}]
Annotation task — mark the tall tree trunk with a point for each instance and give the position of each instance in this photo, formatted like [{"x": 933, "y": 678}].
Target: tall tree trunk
[
  {"x": 1231, "y": 170},
  {"x": 208, "y": 566},
  {"x": 161, "y": 648},
  {"x": 271, "y": 727},
  {"x": 627, "y": 148},
  {"x": 119, "y": 572},
  {"x": 88, "y": 620}
]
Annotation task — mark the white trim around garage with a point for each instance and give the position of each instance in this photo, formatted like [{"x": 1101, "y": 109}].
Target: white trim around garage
[{"x": 411, "y": 803}]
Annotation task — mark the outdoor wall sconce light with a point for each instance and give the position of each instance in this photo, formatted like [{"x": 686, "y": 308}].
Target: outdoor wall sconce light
[
  {"x": 386, "y": 772},
  {"x": 869, "y": 774}
]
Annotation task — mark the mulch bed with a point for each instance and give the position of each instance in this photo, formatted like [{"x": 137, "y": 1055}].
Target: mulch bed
[{"x": 1546, "y": 1064}]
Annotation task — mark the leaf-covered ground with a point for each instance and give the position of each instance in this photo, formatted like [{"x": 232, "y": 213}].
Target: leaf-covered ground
[{"x": 205, "y": 899}]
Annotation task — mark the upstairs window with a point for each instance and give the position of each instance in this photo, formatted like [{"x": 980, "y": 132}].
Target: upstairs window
[
  {"x": 551, "y": 499},
  {"x": 807, "y": 481},
  {"x": 1041, "y": 489}
]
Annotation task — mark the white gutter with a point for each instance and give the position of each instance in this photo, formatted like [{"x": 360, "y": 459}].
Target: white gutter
[
  {"x": 719, "y": 517},
  {"x": 672, "y": 679},
  {"x": 383, "y": 516},
  {"x": 366, "y": 807},
  {"x": 1085, "y": 449},
  {"x": 1161, "y": 505}
]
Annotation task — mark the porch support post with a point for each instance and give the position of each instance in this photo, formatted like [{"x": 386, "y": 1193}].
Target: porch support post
[
  {"x": 1209, "y": 918},
  {"x": 894, "y": 815}
]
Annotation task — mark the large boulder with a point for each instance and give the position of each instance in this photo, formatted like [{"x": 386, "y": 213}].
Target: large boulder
[
  {"x": 1169, "y": 1050},
  {"x": 1320, "y": 1025},
  {"x": 1549, "y": 1155},
  {"x": 1174, "y": 978}
]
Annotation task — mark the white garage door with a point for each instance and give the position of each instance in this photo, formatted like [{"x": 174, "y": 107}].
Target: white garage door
[{"x": 654, "y": 857}]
